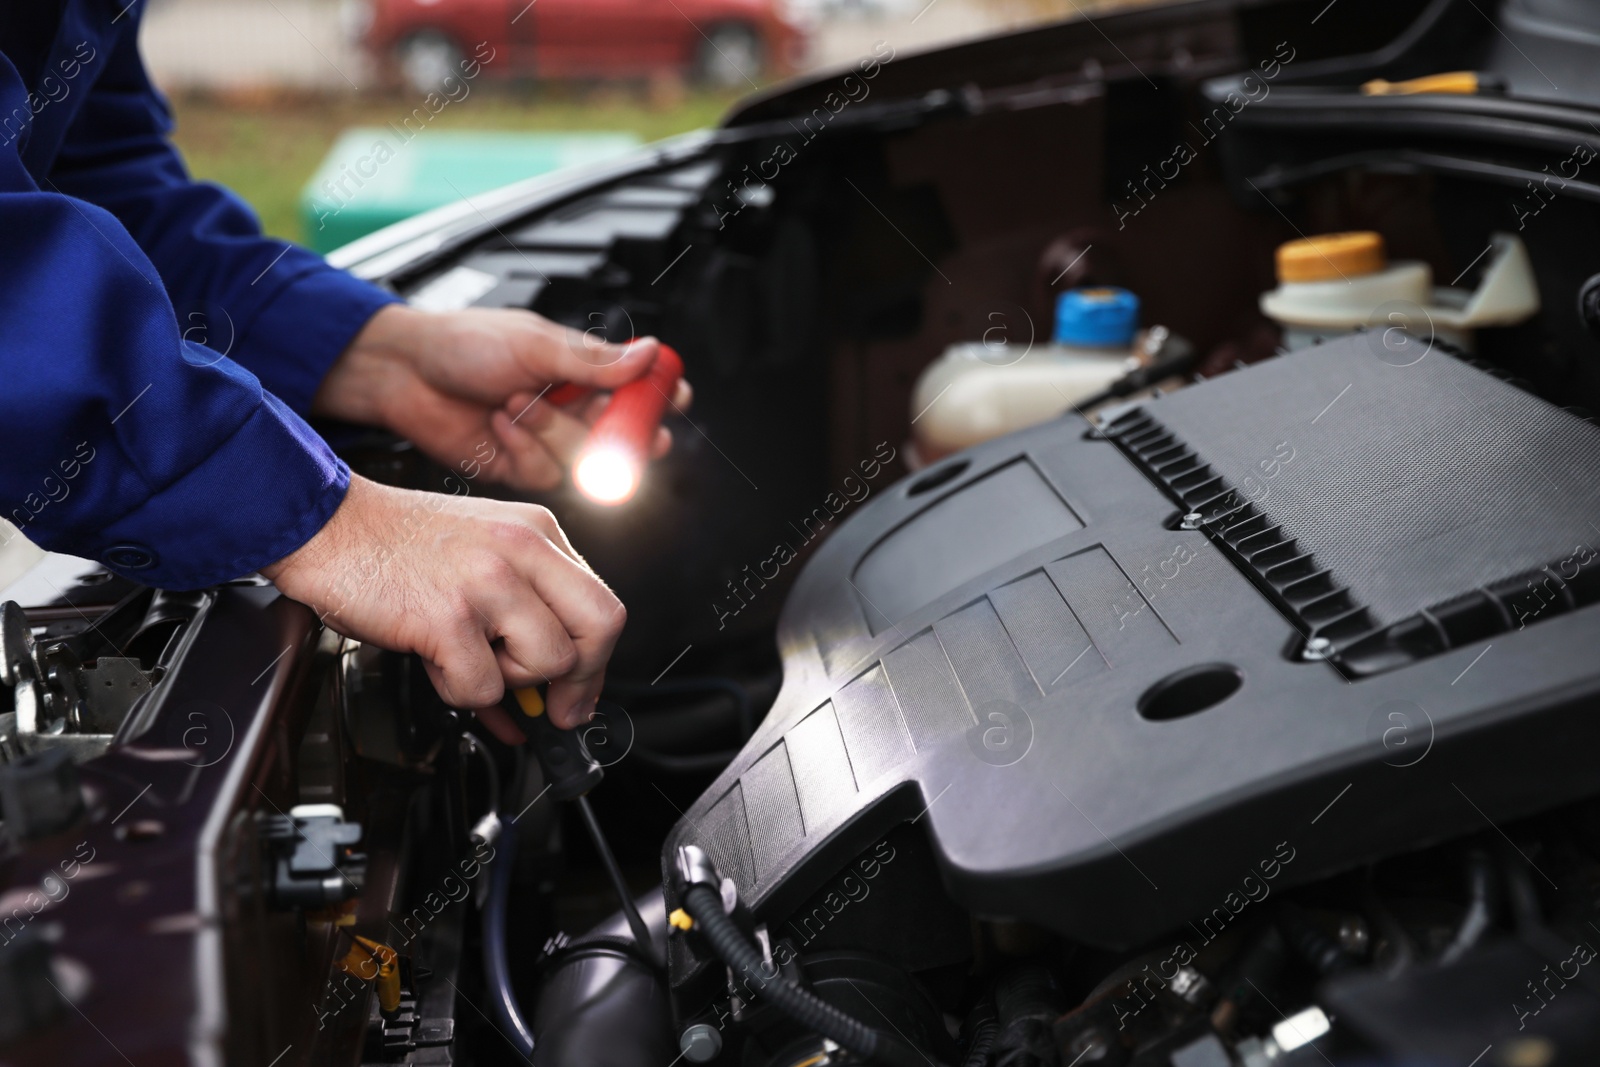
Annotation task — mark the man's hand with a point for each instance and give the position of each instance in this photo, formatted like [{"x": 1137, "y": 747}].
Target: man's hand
[
  {"x": 452, "y": 382},
  {"x": 487, "y": 593}
]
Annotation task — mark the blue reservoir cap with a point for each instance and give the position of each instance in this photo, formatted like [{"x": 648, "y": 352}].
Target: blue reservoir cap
[{"x": 1101, "y": 317}]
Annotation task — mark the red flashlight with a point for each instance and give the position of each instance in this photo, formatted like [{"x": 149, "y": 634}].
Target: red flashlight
[{"x": 611, "y": 463}]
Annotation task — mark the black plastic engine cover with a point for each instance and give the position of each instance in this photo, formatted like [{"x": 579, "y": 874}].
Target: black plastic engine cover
[{"x": 1107, "y": 723}]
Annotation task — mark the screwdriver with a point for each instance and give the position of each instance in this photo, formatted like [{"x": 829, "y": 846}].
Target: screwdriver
[{"x": 570, "y": 772}]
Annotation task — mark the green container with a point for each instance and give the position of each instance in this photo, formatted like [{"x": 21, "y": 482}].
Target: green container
[{"x": 376, "y": 175}]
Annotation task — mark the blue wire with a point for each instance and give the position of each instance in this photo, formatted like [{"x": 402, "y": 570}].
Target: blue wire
[{"x": 497, "y": 969}]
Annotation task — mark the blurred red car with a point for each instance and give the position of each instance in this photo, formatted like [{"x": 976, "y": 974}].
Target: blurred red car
[{"x": 722, "y": 43}]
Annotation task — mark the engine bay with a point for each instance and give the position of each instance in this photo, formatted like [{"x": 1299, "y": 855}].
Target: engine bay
[{"x": 1124, "y": 594}]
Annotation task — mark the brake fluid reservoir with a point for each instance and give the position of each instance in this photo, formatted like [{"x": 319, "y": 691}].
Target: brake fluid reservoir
[
  {"x": 1332, "y": 284},
  {"x": 979, "y": 390}
]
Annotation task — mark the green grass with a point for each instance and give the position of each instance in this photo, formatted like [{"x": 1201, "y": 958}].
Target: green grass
[{"x": 266, "y": 150}]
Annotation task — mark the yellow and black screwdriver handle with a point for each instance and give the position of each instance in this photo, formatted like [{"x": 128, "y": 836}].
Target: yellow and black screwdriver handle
[{"x": 569, "y": 770}]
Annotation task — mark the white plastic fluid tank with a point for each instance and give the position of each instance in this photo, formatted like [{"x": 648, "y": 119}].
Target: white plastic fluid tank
[
  {"x": 1334, "y": 283},
  {"x": 980, "y": 390}
]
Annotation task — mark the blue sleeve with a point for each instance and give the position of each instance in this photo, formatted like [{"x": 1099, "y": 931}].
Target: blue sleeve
[
  {"x": 123, "y": 442},
  {"x": 276, "y": 309}
]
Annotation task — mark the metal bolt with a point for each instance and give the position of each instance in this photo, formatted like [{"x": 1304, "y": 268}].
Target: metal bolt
[
  {"x": 1318, "y": 648},
  {"x": 1354, "y": 936},
  {"x": 1190, "y": 984},
  {"x": 1191, "y": 521},
  {"x": 700, "y": 1043},
  {"x": 1155, "y": 339},
  {"x": 1301, "y": 1028}
]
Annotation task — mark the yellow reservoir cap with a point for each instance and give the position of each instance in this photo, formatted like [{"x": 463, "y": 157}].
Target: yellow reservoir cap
[
  {"x": 529, "y": 700},
  {"x": 1455, "y": 82},
  {"x": 1331, "y": 256},
  {"x": 680, "y": 920}
]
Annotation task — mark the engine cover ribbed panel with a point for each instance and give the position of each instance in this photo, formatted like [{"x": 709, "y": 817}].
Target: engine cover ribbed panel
[
  {"x": 1481, "y": 496},
  {"x": 1105, "y": 722}
]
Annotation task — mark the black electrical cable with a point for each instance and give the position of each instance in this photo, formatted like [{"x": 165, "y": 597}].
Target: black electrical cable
[
  {"x": 630, "y": 910},
  {"x": 704, "y": 905},
  {"x": 1142, "y": 377},
  {"x": 488, "y": 825}
]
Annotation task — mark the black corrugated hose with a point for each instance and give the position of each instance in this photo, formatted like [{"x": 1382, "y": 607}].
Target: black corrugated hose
[
  {"x": 985, "y": 1030},
  {"x": 704, "y": 904}
]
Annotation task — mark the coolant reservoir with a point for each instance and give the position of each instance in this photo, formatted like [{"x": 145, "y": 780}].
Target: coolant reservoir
[
  {"x": 980, "y": 390},
  {"x": 1335, "y": 283}
]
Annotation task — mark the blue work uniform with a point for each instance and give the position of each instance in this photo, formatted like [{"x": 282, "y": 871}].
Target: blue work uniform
[{"x": 157, "y": 353}]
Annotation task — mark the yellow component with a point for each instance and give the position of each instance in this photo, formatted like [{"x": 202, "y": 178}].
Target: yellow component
[
  {"x": 1331, "y": 256},
  {"x": 1458, "y": 82},
  {"x": 342, "y": 914},
  {"x": 372, "y": 961},
  {"x": 680, "y": 920},
  {"x": 812, "y": 1061},
  {"x": 530, "y": 701}
]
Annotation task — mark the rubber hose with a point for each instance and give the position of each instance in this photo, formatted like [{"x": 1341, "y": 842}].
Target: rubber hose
[
  {"x": 1026, "y": 1001},
  {"x": 980, "y": 1052},
  {"x": 598, "y": 1004},
  {"x": 496, "y": 967},
  {"x": 804, "y": 1007},
  {"x": 1522, "y": 893},
  {"x": 1480, "y": 908},
  {"x": 1316, "y": 948}
]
